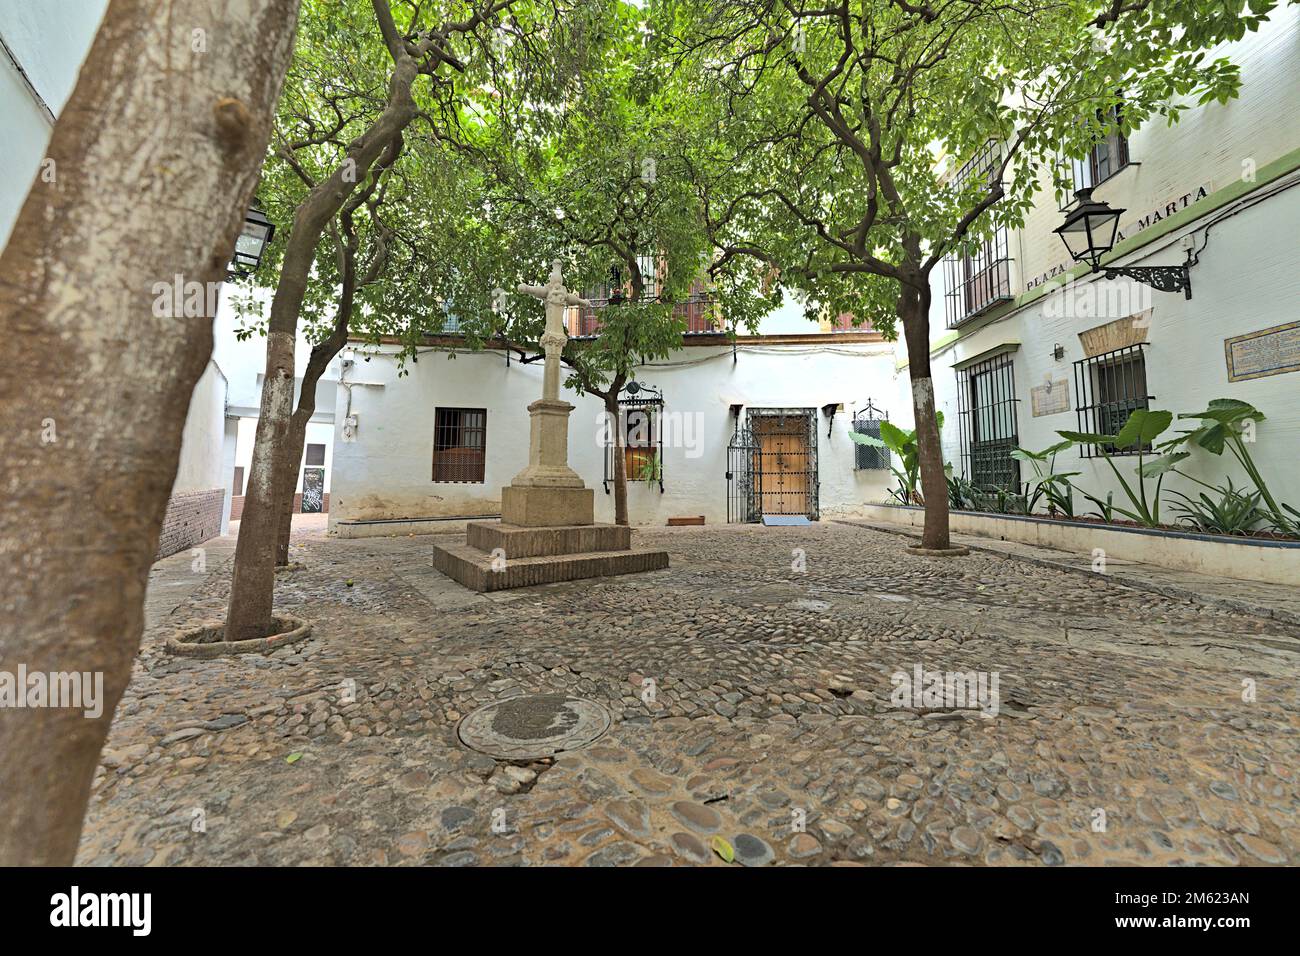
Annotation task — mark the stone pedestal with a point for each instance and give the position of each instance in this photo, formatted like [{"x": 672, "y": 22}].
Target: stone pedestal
[
  {"x": 497, "y": 556},
  {"x": 548, "y": 531}
]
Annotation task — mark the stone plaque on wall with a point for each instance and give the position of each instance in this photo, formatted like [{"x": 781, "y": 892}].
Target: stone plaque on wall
[
  {"x": 1267, "y": 352},
  {"x": 1051, "y": 398}
]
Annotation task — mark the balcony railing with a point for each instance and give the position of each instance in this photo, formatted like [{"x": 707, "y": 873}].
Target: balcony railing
[{"x": 697, "y": 309}]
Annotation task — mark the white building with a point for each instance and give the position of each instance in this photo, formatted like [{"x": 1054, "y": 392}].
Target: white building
[
  {"x": 758, "y": 427},
  {"x": 245, "y": 362},
  {"x": 1019, "y": 351}
]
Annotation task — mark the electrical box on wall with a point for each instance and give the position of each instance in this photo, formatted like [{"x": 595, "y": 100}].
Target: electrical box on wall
[{"x": 350, "y": 428}]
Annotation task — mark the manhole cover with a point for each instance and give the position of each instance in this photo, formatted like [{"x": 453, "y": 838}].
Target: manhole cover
[{"x": 525, "y": 728}]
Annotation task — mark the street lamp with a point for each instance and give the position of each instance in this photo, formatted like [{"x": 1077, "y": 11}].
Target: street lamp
[
  {"x": 252, "y": 242},
  {"x": 1089, "y": 233}
]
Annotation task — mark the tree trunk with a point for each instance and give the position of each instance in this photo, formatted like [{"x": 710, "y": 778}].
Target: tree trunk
[
  {"x": 619, "y": 452},
  {"x": 296, "y": 442},
  {"x": 253, "y": 585},
  {"x": 914, "y": 310},
  {"x": 155, "y": 160}
]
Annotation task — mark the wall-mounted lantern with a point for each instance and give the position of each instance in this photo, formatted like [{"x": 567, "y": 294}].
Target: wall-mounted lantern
[
  {"x": 1089, "y": 233},
  {"x": 251, "y": 244}
]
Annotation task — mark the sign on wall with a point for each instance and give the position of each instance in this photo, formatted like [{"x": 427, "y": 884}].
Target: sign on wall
[
  {"x": 1051, "y": 398},
  {"x": 1260, "y": 354}
]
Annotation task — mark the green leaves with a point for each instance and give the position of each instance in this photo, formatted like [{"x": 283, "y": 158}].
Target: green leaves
[{"x": 1142, "y": 428}]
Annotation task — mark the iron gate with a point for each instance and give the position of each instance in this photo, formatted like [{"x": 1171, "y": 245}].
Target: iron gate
[{"x": 772, "y": 465}]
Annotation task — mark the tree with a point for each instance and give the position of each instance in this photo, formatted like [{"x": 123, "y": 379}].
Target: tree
[
  {"x": 605, "y": 179},
  {"x": 840, "y": 126},
  {"x": 415, "y": 50},
  {"x": 150, "y": 170}
]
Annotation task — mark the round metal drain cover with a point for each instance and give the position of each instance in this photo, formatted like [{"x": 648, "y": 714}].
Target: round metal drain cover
[{"x": 525, "y": 728}]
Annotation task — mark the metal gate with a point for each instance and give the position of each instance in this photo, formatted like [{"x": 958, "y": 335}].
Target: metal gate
[
  {"x": 772, "y": 465},
  {"x": 740, "y": 476}
]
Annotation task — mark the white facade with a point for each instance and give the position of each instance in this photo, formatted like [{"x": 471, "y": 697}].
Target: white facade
[
  {"x": 42, "y": 46},
  {"x": 1224, "y": 182},
  {"x": 245, "y": 362},
  {"x": 385, "y": 472}
]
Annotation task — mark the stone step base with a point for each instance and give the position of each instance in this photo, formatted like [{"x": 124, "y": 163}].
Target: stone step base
[
  {"x": 473, "y": 568},
  {"x": 518, "y": 542}
]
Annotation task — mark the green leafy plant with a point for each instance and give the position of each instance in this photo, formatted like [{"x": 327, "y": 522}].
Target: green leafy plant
[
  {"x": 1141, "y": 430},
  {"x": 904, "y": 445},
  {"x": 1046, "y": 483},
  {"x": 962, "y": 495},
  {"x": 1230, "y": 423},
  {"x": 650, "y": 468},
  {"x": 1233, "y": 511}
]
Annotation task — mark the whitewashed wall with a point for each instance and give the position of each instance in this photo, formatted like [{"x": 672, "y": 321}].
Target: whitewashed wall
[
  {"x": 49, "y": 40},
  {"x": 1247, "y": 280},
  {"x": 202, "y": 462},
  {"x": 386, "y": 472}
]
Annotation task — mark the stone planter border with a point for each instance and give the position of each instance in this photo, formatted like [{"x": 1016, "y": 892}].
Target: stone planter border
[
  {"x": 206, "y": 640},
  {"x": 1223, "y": 556}
]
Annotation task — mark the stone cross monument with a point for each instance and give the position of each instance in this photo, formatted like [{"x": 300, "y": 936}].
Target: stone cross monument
[
  {"x": 547, "y": 530},
  {"x": 548, "y": 492}
]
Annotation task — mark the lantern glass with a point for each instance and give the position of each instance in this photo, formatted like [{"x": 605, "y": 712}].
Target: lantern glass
[
  {"x": 253, "y": 239},
  {"x": 1089, "y": 229}
]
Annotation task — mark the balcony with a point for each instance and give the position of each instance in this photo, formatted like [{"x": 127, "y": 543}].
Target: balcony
[{"x": 698, "y": 310}]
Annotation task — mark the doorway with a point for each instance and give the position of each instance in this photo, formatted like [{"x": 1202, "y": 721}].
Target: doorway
[{"x": 779, "y": 446}]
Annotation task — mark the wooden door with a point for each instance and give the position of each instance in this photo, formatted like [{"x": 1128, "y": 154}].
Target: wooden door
[{"x": 782, "y": 471}]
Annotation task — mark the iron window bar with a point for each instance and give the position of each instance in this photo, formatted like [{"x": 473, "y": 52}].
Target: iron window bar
[
  {"x": 1110, "y": 387},
  {"x": 648, "y": 405},
  {"x": 987, "y": 424},
  {"x": 980, "y": 279},
  {"x": 866, "y": 421},
  {"x": 459, "y": 444}
]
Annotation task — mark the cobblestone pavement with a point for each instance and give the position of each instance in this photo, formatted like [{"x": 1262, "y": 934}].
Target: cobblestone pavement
[{"x": 1121, "y": 734}]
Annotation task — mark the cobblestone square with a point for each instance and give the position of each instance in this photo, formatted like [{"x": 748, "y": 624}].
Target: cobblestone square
[{"x": 749, "y": 700}]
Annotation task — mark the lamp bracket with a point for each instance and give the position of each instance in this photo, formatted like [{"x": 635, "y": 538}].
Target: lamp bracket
[{"x": 1163, "y": 278}]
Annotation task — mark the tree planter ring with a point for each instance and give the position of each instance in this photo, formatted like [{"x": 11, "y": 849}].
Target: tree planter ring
[
  {"x": 207, "y": 640},
  {"x": 954, "y": 552}
]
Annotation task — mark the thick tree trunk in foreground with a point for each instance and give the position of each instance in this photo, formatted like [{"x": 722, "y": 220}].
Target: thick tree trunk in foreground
[
  {"x": 914, "y": 310},
  {"x": 155, "y": 161},
  {"x": 253, "y": 586}
]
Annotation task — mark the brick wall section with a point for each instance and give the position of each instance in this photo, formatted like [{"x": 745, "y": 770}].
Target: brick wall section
[
  {"x": 237, "y": 505},
  {"x": 192, "y": 518}
]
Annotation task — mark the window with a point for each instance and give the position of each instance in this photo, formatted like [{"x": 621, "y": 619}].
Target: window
[
  {"x": 238, "y": 488},
  {"x": 1111, "y": 386},
  {"x": 979, "y": 278},
  {"x": 315, "y": 455},
  {"x": 639, "y": 452},
  {"x": 866, "y": 421},
  {"x": 459, "y": 444},
  {"x": 986, "y": 405},
  {"x": 1109, "y": 154},
  {"x": 640, "y": 410}
]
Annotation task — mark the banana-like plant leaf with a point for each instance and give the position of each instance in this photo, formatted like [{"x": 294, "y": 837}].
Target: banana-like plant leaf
[
  {"x": 1143, "y": 427},
  {"x": 1158, "y": 466},
  {"x": 1087, "y": 438},
  {"x": 868, "y": 440},
  {"x": 1228, "y": 411},
  {"x": 895, "y": 438}
]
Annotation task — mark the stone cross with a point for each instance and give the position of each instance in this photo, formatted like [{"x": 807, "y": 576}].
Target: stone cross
[{"x": 557, "y": 299}]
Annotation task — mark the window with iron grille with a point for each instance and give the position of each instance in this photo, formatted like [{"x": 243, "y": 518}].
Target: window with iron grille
[
  {"x": 866, "y": 421},
  {"x": 1111, "y": 386},
  {"x": 1109, "y": 154},
  {"x": 981, "y": 277},
  {"x": 459, "y": 444},
  {"x": 986, "y": 411}
]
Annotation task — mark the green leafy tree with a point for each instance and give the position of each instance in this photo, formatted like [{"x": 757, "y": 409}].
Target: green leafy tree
[
  {"x": 839, "y": 126},
  {"x": 606, "y": 181}
]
